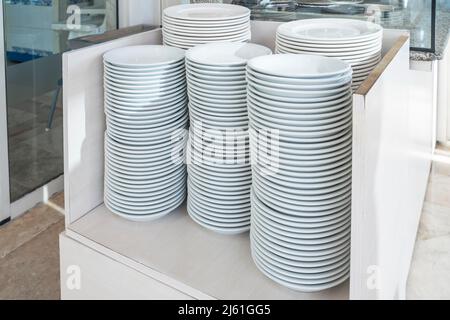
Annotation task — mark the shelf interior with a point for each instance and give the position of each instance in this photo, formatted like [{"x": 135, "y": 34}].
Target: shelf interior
[{"x": 217, "y": 265}]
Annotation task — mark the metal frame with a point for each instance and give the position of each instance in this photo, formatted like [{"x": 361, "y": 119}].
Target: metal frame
[
  {"x": 10, "y": 210},
  {"x": 5, "y": 207},
  {"x": 432, "y": 49}
]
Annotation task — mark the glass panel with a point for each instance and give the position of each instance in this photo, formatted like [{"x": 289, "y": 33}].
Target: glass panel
[
  {"x": 413, "y": 15},
  {"x": 37, "y": 32}
]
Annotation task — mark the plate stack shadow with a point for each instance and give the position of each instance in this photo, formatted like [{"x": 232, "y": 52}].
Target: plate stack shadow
[
  {"x": 188, "y": 25},
  {"x": 218, "y": 152},
  {"x": 300, "y": 118},
  {"x": 357, "y": 42},
  {"x": 145, "y": 138}
]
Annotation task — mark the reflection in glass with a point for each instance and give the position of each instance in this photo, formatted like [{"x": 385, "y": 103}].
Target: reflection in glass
[{"x": 37, "y": 32}]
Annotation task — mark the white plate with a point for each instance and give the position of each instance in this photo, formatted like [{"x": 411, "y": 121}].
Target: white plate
[
  {"x": 325, "y": 219},
  {"x": 145, "y": 75},
  {"x": 197, "y": 24},
  {"x": 192, "y": 78},
  {"x": 207, "y": 97},
  {"x": 194, "y": 39},
  {"x": 305, "y": 224},
  {"x": 239, "y": 110},
  {"x": 217, "y": 194},
  {"x": 289, "y": 200},
  {"x": 223, "y": 69},
  {"x": 143, "y": 187},
  {"x": 287, "y": 130},
  {"x": 346, "y": 56},
  {"x": 187, "y": 41},
  {"x": 139, "y": 70},
  {"x": 219, "y": 89},
  {"x": 237, "y": 180},
  {"x": 328, "y": 46},
  {"x": 299, "y": 66},
  {"x": 146, "y": 112},
  {"x": 309, "y": 266},
  {"x": 362, "y": 48},
  {"x": 144, "y": 56},
  {"x": 296, "y": 100},
  {"x": 149, "y": 125},
  {"x": 299, "y": 121},
  {"x": 244, "y": 220},
  {"x": 319, "y": 256},
  {"x": 207, "y": 12},
  {"x": 226, "y": 54},
  {"x": 230, "y": 202},
  {"x": 319, "y": 93},
  {"x": 339, "y": 83},
  {"x": 220, "y": 230},
  {"x": 330, "y": 30},
  {"x": 327, "y": 245},
  {"x": 134, "y": 83},
  {"x": 145, "y": 218},
  {"x": 171, "y": 26},
  {"x": 231, "y": 74},
  {"x": 224, "y": 209},
  {"x": 296, "y": 81},
  {"x": 306, "y": 286},
  {"x": 300, "y": 230},
  {"x": 149, "y": 212},
  {"x": 299, "y": 239},
  {"x": 217, "y": 189},
  {"x": 298, "y": 114},
  {"x": 144, "y": 199},
  {"x": 190, "y": 35}
]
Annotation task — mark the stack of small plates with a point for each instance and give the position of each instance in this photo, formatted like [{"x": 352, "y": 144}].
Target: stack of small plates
[
  {"x": 218, "y": 158},
  {"x": 185, "y": 26},
  {"x": 357, "y": 42},
  {"x": 146, "y": 117},
  {"x": 300, "y": 118}
]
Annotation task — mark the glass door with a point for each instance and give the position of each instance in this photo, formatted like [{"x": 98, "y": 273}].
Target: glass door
[{"x": 36, "y": 33}]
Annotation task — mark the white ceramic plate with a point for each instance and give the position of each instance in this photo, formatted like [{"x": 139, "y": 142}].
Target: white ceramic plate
[
  {"x": 197, "y": 24},
  {"x": 144, "y": 56},
  {"x": 330, "y": 30},
  {"x": 226, "y": 54},
  {"x": 207, "y": 12},
  {"x": 299, "y": 66},
  {"x": 328, "y": 46}
]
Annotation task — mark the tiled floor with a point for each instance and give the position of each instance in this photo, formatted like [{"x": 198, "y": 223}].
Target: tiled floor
[
  {"x": 429, "y": 277},
  {"x": 29, "y": 253},
  {"x": 36, "y": 155},
  {"x": 29, "y": 259}
]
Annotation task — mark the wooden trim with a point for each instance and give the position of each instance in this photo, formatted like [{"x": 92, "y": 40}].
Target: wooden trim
[{"x": 381, "y": 67}]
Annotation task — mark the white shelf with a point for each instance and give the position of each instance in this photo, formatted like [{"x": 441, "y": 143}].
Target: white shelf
[{"x": 217, "y": 265}]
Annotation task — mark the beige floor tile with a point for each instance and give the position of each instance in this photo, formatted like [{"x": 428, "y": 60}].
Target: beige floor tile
[
  {"x": 31, "y": 224},
  {"x": 429, "y": 277},
  {"x": 32, "y": 271},
  {"x": 435, "y": 222}
]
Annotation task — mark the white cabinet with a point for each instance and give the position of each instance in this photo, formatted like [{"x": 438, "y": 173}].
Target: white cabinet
[
  {"x": 391, "y": 165},
  {"x": 88, "y": 274}
]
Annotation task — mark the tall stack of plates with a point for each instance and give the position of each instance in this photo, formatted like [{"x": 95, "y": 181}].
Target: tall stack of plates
[
  {"x": 357, "y": 42},
  {"x": 146, "y": 117},
  {"x": 188, "y": 25},
  {"x": 218, "y": 158},
  {"x": 300, "y": 111}
]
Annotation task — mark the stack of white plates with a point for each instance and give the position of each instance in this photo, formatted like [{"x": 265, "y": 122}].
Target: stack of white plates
[
  {"x": 357, "y": 42},
  {"x": 146, "y": 117},
  {"x": 218, "y": 163},
  {"x": 300, "y": 232},
  {"x": 188, "y": 25}
]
